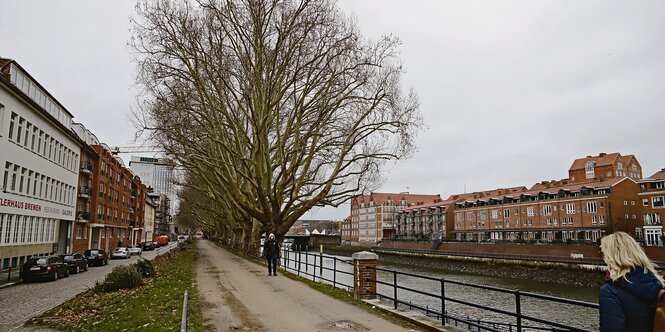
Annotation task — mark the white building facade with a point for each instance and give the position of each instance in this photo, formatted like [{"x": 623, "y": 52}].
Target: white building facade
[
  {"x": 39, "y": 157},
  {"x": 157, "y": 173}
]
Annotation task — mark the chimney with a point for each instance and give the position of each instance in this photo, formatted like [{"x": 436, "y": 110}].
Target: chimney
[
  {"x": 602, "y": 154},
  {"x": 588, "y": 156}
]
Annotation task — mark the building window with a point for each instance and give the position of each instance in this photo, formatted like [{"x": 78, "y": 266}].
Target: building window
[
  {"x": 506, "y": 213},
  {"x": 591, "y": 207},
  {"x": 547, "y": 210},
  {"x": 657, "y": 202},
  {"x": 495, "y": 214},
  {"x": 529, "y": 211},
  {"x": 588, "y": 167},
  {"x": 570, "y": 208},
  {"x": 645, "y": 202}
]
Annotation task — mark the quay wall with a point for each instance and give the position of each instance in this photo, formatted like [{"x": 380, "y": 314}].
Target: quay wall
[{"x": 580, "y": 254}]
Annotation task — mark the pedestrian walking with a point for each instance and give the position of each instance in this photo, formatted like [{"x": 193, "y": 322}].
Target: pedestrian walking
[
  {"x": 628, "y": 297},
  {"x": 271, "y": 253}
]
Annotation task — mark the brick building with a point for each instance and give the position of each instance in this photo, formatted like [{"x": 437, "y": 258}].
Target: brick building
[
  {"x": 117, "y": 203},
  {"x": 650, "y": 199},
  {"x": 375, "y": 214},
  {"x": 599, "y": 197}
]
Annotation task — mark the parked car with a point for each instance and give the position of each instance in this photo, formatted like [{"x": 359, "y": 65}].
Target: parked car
[
  {"x": 135, "y": 250},
  {"x": 46, "y": 267},
  {"x": 121, "y": 252},
  {"x": 75, "y": 262},
  {"x": 147, "y": 246},
  {"x": 96, "y": 257}
]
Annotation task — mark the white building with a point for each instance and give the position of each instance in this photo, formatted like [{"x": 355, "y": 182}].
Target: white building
[
  {"x": 39, "y": 156},
  {"x": 149, "y": 220}
]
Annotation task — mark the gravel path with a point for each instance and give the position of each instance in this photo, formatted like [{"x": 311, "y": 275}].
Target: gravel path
[
  {"x": 22, "y": 301},
  {"x": 238, "y": 295}
]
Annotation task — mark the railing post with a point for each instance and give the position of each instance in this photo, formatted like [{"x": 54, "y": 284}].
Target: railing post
[
  {"x": 9, "y": 274},
  {"x": 314, "y": 270},
  {"x": 443, "y": 302},
  {"x": 299, "y": 254},
  {"x": 395, "y": 289},
  {"x": 518, "y": 311},
  {"x": 334, "y": 272},
  {"x": 183, "y": 319},
  {"x": 321, "y": 263},
  {"x": 364, "y": 276}
]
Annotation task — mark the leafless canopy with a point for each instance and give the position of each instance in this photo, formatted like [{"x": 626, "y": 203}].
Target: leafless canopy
[{"x": 275, "y": 106}]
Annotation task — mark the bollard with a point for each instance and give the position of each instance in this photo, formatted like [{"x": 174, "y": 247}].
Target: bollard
[{"x": 363, "y": 288}]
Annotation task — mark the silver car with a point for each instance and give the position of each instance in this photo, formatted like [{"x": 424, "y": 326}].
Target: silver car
[{"x": 121, "y": 252}]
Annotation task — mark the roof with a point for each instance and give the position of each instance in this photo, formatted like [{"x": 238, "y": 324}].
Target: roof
[
  {"x": 379, "y": 198},
  {"x": 485, "y": 194},
  {"x": 602, "y": 159},
  {"x": 660, "y": 175},
  {"x": 429, "y": 205}
]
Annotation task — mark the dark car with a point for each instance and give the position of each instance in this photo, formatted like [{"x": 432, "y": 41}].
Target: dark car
[
  {"x": 148, "y": 246},
  {"x": 96, "y": 257},
  {"x": 75, "y": 262},
  {"x": 46, "y": 267}
]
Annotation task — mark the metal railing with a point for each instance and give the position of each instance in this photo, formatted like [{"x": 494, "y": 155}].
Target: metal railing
[
  {"x": 183, "y": 318},
  {"x": 306, "y": 264},
  {"x": 301, "y": 268},
  {"x": 521, "y": 319}
]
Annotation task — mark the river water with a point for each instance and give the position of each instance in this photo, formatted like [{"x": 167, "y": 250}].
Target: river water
[{"x": 571, "y": 315}]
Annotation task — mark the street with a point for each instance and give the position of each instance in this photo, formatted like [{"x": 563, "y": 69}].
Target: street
[{"x": 22, "y": 301}]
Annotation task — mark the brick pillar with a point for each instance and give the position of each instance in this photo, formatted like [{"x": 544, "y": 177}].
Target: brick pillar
[{"x": 360, "y": 273}]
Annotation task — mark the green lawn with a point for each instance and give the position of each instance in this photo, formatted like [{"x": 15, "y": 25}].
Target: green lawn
[{"x": 155, "y": 306}]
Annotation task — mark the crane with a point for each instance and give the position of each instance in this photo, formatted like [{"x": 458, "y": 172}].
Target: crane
[{"x": 134, "y": 149}]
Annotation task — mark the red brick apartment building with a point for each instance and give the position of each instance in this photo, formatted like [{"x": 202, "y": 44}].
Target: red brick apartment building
[
  {"x": 652, "y": 192},
  {"x": 113, "y": 199},
  {"x": 375, "y": 214},
  {"x": 599, "y": 197},
  {"x": 349, "y": 230}
]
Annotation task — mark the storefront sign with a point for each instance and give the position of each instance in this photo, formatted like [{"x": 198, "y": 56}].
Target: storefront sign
[
  {"x": 576, "y": 256},
  {"x": 18, "y": 205}
]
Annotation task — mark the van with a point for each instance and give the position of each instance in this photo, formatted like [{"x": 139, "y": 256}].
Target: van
[{"x": 162, "y": 240}]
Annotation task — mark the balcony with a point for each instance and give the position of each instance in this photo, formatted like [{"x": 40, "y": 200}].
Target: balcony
[
  {"x": 652, "y": 223},
  {"x": 85, "y": 192},
  {"x": 83, "y": 217},
  {"x": 87, "y": 168}
]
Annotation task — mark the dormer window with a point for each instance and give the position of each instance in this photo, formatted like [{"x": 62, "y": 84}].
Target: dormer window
[{"x": 588, "y": 167}]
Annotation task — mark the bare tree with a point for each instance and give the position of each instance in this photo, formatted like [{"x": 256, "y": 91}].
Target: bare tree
[{"x": 276, "y": 106}]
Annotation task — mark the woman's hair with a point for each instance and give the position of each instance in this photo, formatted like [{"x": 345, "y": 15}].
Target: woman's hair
[
  {"x": 622, "y": 254},
  {"x": 271, "y": 236}
]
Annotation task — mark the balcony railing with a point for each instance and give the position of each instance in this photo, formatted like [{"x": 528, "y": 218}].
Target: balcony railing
[
  {"x": 83, "y": 216},
  {"x": 87, "y": 167},
  {"x": 652, "y": 223},
  {"x": 85, "y": 192}
]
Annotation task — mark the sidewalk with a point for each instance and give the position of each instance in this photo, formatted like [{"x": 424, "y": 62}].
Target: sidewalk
[{"x": 238, "y": 295}]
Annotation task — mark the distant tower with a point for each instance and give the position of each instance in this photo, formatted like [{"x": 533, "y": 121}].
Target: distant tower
[{"x": 157, "y": 173}]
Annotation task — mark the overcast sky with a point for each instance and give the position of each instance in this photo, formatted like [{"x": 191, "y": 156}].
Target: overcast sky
[{"x": 512, "y": 91}]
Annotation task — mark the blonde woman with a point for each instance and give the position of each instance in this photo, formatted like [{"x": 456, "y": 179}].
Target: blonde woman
[{"x": 627, "y": 298}]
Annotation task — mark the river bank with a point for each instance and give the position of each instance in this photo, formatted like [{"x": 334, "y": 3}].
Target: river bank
[{"x": 491, "y": 268}]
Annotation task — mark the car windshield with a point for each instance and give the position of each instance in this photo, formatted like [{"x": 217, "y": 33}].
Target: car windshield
[
  {"x": 38, "y": 261},
  {"x": 68, "y": 257},
  {"x": 92, "y": 252},
  {"x": 119, "y": 249}
]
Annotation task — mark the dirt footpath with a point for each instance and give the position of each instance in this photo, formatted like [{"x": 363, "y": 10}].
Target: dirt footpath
[{"x": 238, "y": 295}]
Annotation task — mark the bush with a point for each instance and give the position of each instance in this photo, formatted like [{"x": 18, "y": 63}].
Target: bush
[
  {"x": 145, "y": 268},
  {"x": 121, "y": 277}
]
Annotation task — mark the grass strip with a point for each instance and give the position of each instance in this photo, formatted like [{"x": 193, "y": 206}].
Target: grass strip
[{"x": 154, "y": 306}]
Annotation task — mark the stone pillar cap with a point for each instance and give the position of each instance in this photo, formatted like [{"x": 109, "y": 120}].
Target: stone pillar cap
[{"x": 365, "y": 255}]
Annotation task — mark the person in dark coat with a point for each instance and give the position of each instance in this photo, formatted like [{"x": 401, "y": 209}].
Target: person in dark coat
[
  {"x": 627, "y": 297},
  {"x": 271, "y": 252}
]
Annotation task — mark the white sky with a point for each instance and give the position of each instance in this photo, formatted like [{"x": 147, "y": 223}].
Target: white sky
[{"x": 512, "y": 91}]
